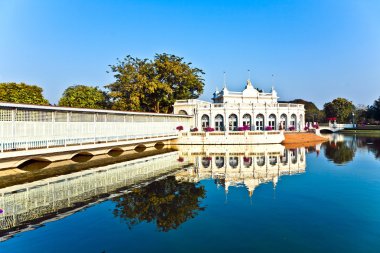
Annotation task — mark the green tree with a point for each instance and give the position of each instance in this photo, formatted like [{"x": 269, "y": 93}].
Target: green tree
[
  {"x": 22, "y": 93},
  {"x": 312, "y": 113},
  {"x": 153, "y": 85},
  {"x": 340, "y": 108},
  {"x": 185, "y": 82},
  {"x": 84, "y": 97},
  {"x": 167, "y": 202},
  {"x": 374, "y": 110}
]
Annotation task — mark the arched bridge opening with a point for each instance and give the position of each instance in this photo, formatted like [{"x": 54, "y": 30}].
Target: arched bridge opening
[
  {"x": 82, "y": 157},
  {"x": 35, "y": 163}
]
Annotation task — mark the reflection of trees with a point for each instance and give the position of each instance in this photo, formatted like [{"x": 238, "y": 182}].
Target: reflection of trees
[
  {"x": 167, "y": 202},
  {"x": 339, "y": 152},
  {"x": 375, "y": 147}
]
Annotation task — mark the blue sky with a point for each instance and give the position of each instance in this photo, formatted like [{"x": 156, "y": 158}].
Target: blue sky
[{"x": 317, "y": 49}]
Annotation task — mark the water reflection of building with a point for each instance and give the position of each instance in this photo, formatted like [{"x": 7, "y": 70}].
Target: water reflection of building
[
  {"x": 57, "y": 197},
  {"x": 242, "y": 165}
]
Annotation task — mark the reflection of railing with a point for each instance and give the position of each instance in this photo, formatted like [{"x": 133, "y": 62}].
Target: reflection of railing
[{"x": 22, "y": 203}]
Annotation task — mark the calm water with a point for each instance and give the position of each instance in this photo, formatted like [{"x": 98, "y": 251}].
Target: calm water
[{"x": 234, "y": 198}]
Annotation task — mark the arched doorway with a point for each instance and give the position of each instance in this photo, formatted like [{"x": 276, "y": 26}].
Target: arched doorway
[
  {"x": 205, "y": 121},
  {"x": 272, "y": 121},
  {"x": 293, "y": 121},
  {"x": 247, "y": 121},
  {"x": 283, "y": 122},
  {"x": 232, "y": 122},
  {"x": 219, "y": 124},
  {"x": 182, "y": 112},
  {"x": 260, "y": 122}
]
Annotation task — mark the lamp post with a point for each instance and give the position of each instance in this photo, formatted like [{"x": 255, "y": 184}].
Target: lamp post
[{"x": 353, "y": 121}]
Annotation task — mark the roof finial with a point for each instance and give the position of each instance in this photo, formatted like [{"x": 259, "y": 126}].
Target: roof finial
[
  {"x": 249, "y": 74},
  {"x": 224, "y": 81}
]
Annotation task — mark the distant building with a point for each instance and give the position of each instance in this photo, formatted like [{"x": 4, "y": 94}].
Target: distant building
[{"x": 250, "y": 108}]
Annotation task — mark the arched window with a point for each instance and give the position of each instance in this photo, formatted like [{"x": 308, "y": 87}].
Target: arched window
[
  {"x": 283, "y": 122},
  {"x": 219, "y": 162},
  {"x": 232, "y": 122},
  {"x": 182, "y": 112},
  {"x": 260, "y": 122},
  {"x": 272, "y": 121},
  {"x": 293, "y": 121},
  {"x": 205, "y": 120},
  {"x": 219, "y": 124},
  {"x": 247, "y": 121},
  {"x": 234, "y": 162}
]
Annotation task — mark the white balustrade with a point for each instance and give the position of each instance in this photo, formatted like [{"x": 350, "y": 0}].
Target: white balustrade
[{"x": 29, "y": 126}]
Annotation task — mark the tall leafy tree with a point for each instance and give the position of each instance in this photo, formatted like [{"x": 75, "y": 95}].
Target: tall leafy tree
[
  {"x": 340, "y": 108},
  {"x": 374, "y": 110},
  {"x": 185, "y": 82},
  {"x": 22, "y": 93},
  {"x": 153, "y": 85},
  {"x": 312, "y": 113},
  {"x": 84, "y": 97}
]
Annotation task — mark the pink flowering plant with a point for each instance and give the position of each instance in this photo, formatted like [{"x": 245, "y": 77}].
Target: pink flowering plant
[
  {"x": 268, "y": 128},
  {"x": 243, "y": 128},
  {"x": 179, "y": 128},
  {"x": 209, "y": 129},
  {"x": 195, "y": 129}
]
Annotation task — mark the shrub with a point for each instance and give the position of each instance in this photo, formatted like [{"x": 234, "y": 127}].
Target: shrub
[
  {"x": 179, "y": 128},
  {"x": 306, "y": 128},
  {"x": 268, "y": 128},
  {"x": 195, "y": 129},
  {"x": 209, "y": 129},
  {"x": 292, "y": 128}
]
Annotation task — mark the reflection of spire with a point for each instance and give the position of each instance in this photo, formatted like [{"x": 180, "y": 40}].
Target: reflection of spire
[
  {"x": 275, "y": 181},
  {"x": 226, "y": 185}
]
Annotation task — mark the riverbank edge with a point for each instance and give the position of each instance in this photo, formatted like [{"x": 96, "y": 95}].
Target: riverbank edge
[{"x": 295, "y": 138}]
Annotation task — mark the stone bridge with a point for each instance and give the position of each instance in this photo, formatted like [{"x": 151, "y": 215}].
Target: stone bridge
[
  {"x": 50, "y": 133},
  {"x": 331, "y": 127}
]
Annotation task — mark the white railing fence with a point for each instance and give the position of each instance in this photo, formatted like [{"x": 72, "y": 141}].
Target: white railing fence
[{"x": 26, "y": 127}]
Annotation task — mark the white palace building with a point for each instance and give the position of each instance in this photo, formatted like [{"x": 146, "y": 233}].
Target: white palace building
[{"x": 250, "y": 109}]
